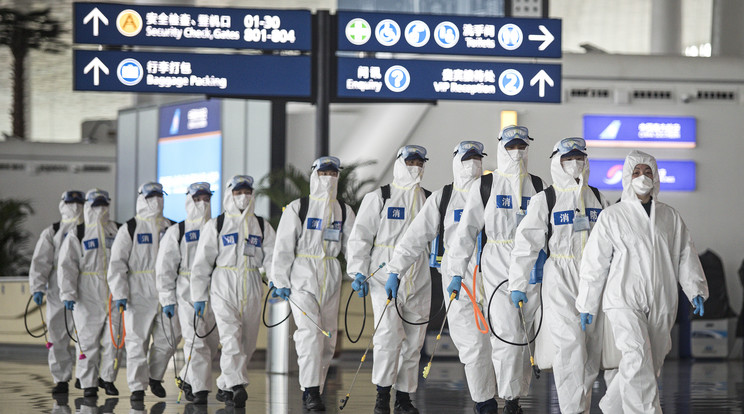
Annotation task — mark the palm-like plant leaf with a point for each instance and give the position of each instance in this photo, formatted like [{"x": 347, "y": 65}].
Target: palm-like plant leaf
[{"x": 14, "y": 254}]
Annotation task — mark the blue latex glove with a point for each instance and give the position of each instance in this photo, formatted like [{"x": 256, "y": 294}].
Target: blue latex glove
[
  {"x": 360, "y": 285},
  {"x": 455, "y": 286},
  {"x": 282, "y": 293},
  {"x": 169, "y": 310},
  {"x": 518, "y": 296},
  {"x": 199, "y": 308},
  {"x": 391, "y": 287},
  {"x": 38, "y": 297},
  {"x": 586, "y": 319},
  {"x": 121, "y": 303},
  {"x": 697, "y": 302},
  {"x": 69, "y": 304}
]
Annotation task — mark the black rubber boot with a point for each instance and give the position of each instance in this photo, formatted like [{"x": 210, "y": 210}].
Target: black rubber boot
[
  {"x": 187, "y": 392},
  {"x": 239, "y": 396},
  {"x": 200, "y": 397},
  {"x": 61, "y": 388},
  {"x": 137, "y": 396},
  {"x": 487, "y": 407},
  {"x": 157, "y": 388},
  {"x": 311, "y": 399},
  {"x": 382, "y": 403},
  {"x": 109, "y": 387},
  {"x": 91, "y": 392},
  {"x": 512, "y": 407},
  {"x": 224, "y": 396},
  {"x": 403, "y": 404}
]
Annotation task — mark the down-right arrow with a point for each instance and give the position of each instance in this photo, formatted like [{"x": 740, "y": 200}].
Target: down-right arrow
[{"x": 543, "y": 78}]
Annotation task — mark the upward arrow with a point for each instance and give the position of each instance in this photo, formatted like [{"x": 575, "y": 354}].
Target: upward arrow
[
  {"x": 96, "y": 16},
  {"x": 543, "y": 78},
  {"x": 546, "y": 37},
  {"x": 97, "y": 66}
]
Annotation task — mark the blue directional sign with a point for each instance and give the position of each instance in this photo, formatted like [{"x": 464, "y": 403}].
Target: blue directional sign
[
  {"x": 640, "y": 131},
  {"x": 673, "y": 175},
  {"x": 452, "y": 35},
  {"x": 134, "y": 24},
  {"x": 211, "y": 74},
  {"x": 461, "y": 80}
]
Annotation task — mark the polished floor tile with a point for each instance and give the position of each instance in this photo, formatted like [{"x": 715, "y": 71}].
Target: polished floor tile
[{"x": 686, "y": 387}]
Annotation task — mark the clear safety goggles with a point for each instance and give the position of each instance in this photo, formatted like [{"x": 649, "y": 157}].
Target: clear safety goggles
[
  {"x": 469, "y": 149},
  {"x": 410, "y": 152},
  {"x": 199, "y": 189},
  {"x": 73, "y": 196},
  {"x": 240, "y": 182},
  {"x": 513, "y": 132},
  {"x": 567, "y": 145},
  {"x": 97, "y": 197},
  {"x": 152, "y": 189},
  {"x": 327, "y": 164}
]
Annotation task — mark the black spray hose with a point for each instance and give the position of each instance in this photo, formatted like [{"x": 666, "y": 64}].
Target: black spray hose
[
  {"x": 25, "y": 320},
  {"x": 67, "y": 328},
  {"x": 436, "y": 315},
  {"x": 346, "y": 317},
  {"x": 493, "y": 331},
  {"x": 263, "y": 314},
  {"x": 208, "y": 333}
]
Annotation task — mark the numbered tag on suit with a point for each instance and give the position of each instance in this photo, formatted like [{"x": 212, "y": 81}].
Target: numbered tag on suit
[
  {"x": 249, "y": 249},
  {"x": 333, "y": 235},
  {"x": 581, "y": 223}
]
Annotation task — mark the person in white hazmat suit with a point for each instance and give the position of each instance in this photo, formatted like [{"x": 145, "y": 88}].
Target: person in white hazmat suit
[
  {"x": 638, "y": 251},
  {"x": 131, "y": 277},
  {"x": 575, "y": 209},
  {"x": 508, "y": 197},
  {"x": 473, "y": 346},
  {"x": 231, "y": 250},
  {"x": 310, "y": 236},
  {"x": 42, "y": 278},
  {"x": 383, "y": 217},
  {"x": 173, "y": 273},
  {"x": 83, "y": 260}
]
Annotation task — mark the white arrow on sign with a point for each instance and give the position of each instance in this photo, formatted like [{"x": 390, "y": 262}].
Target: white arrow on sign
[
  {"x": 546, "y": 38},
  {"x": 543, "y": 78},
  {"x": 96, "y": 16},
  {"x": 97, "y": 65}
]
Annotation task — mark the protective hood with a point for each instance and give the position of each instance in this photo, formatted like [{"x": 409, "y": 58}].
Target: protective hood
[
  {"x": 634, "y": 158},
  {"x": 148, "y": 209},
  {"x": 72, "y": 212},
  {"x": 563, "y": 179},
  {"x": 325, "y": 187},
  {"x": 231, "y": 206},
  {"x": 465, "y": 172},
  {"x": 95, "y": 215},
  {"x": 402, "y": 174},
  {"x": 507, "y": 164},
  {"x": 194, "y": 210}
]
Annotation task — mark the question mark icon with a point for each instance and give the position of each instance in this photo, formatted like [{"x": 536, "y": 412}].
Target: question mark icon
[{"x": 397, "y": 78}]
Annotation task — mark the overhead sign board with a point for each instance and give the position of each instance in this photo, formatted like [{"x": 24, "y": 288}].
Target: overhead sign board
[
  {"x": 189, "y": 151},
  {"x": 134, "y": 24},
  {"x": 211, "y": 74},
  {"x": 452, "y": 35},
  {"x": 673, "y": 175},
  {"x": 461, "y": 80},
  {"x": 640, "y": 131}
]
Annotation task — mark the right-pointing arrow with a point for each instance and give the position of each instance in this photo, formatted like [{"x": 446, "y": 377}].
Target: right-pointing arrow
[
  {"x": 96, "y": 65},
  {"x": 546, "y": 37},
  {"x": 543, "y": 78},
  {"x": 96, "y": 16}
]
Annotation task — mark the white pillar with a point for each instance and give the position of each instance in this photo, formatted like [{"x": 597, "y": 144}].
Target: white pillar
[
  {"x": 666, "y": 27},
  {"x": 727, "y": 29}
]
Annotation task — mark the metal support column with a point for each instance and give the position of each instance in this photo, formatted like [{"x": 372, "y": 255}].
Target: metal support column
[{"x": 322, "y": 55}]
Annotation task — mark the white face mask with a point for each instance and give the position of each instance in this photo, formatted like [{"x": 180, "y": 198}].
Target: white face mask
[
  {"x": 517, "y": 154},
  {"x": 242, "y": 201},
  {"x": 155, "y": 204},
  {"x": 99, "y": 211},
  {"x": 327, "y": 183},
  {"x": 415, "y": 172},
  {"x": 71, "y": 210},
  {"x": 201, "y": 207},
  {"x": 574, "y": 168},
  {"x": 642, "y": 185},
  {"x": 472, "y": 167}
]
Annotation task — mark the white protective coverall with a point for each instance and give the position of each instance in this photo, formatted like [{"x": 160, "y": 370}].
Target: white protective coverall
[
  {"x": 82, "y": 278},
  {"x": 173, "y": 272},
  {"x": 308, "y": 265},
  {"x": 631, "y": 265},
  {"x": 474, "y": 347},
  {"x": 226, "y": 273},
  {"x": 131, "y": 276},
  {"x": 512, "y": 188},
  {"x": 577, "y": 353},
  {"x": 42, "y": 277},
  {"x": 377, "y": 230}
]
